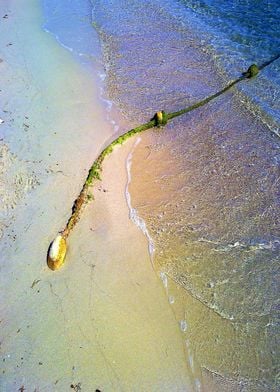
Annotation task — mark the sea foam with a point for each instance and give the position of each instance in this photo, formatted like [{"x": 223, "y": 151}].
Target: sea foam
[{"x": 133, "y": 214}]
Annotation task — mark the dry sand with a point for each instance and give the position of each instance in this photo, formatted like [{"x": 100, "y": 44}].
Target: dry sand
[{"x": 103, "y": 321}]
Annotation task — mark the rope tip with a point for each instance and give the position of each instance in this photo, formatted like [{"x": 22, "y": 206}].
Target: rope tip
[
  {"x": 252, "y": 71},
  {"x": 160, "y": 118}
]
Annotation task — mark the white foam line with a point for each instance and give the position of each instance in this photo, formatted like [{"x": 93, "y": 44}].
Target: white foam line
[
  {"x": 102, "y": 75},
  {"x": 58, "y": 40},
  {"x": 108, "y": 104},
  {"x": 133, "y": 215}
]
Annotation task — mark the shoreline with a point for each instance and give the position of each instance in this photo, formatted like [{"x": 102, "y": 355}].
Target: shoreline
[{"x": 103, "y": 320}]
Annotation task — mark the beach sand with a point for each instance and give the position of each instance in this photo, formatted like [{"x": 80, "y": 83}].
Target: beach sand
[{"x": 103, "y": 321}]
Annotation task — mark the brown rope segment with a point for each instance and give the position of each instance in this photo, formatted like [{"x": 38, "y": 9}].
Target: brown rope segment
[{"x": 160, "y": 119}]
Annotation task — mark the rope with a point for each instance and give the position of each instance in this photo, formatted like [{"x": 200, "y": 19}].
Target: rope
[{"x": 57, "y": 249}]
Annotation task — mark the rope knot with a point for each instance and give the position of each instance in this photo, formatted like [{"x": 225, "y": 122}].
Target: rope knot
[
  {"x": 252, "y": 71},
  {"x": 160, "y": 118}
]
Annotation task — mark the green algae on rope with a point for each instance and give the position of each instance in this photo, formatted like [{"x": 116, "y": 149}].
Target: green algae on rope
[{"x": 57, "y": 250}]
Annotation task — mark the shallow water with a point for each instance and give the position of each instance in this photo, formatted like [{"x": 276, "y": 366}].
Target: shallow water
[
  {"x": 207, "y": 185},
  {"x": 70, "y": 23},
  {"x": 239, "y": 33}
]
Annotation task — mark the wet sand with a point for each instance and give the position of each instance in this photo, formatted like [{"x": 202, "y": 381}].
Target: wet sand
[{"x": 103, "y": 321}]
